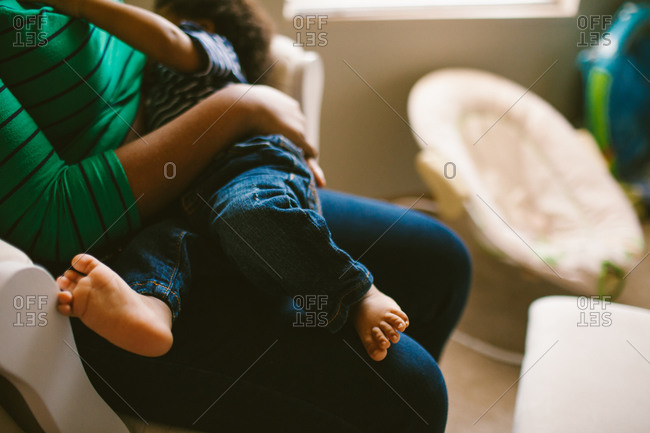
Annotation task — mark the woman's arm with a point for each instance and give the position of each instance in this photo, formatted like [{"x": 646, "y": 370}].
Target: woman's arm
[
  {"x": 160, "y": 165},
  {"x": 145, "y": 31},
  {"x": 54, "y": 210},
  {"x": 51, "y": 208}
]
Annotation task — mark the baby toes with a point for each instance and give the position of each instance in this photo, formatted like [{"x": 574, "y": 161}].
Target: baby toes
[
  {"x": 403, "y": 316},
  {"x": 64, "y": 283},
  {"x": 389, "y": 331},
  {"x": 377, "y": 345},
  {"x": 84, "y": 263},
  {"x": 397, "y": 322},
  {"x": 380, "y": 339},
  {"x": 71, "y": 278},
  {"x": 64, "y": 306},
  {"x": 372, "y": 349}
]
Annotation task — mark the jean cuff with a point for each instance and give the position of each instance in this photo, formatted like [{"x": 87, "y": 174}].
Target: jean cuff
[
  {"x": 339, "y": 314},
  {"x": 159, "y": 291}
]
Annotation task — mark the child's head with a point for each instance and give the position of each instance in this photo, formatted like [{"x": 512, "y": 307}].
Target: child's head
[{"x": 243, "y": 22}]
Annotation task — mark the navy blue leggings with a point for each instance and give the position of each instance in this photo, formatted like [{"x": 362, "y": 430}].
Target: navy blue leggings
[{"x": 240, "y": 364}]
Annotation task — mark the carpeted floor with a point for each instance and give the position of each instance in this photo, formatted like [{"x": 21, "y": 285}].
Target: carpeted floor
[{"x": 482, "y": 391}]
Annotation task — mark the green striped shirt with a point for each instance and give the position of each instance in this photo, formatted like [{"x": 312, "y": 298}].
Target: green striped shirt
[{"x": 68, "y": 94}]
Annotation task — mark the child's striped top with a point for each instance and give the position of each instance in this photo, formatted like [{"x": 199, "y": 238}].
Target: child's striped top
[{"x": 171, "y": 93}]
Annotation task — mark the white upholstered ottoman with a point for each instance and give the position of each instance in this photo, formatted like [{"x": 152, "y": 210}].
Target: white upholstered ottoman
[{"x": 586, "y": 368}]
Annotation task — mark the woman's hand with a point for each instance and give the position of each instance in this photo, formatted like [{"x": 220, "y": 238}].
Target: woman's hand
[
  {"x": 277, "y": 113},
  {"x": 189, "y": 142},
  {"x": 274, "y": 112},
  {"x": 319, "y": 176}
]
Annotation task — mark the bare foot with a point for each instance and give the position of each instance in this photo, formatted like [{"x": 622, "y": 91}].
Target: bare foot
[
  {"x": 378, "y": 321},
  {"x": 107, "y": 305}
]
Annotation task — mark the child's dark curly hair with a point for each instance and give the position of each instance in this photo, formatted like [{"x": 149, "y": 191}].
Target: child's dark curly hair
[{"x": 243, "y": 22}]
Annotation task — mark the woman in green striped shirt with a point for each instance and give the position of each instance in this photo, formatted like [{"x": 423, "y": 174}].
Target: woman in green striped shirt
[{"x": 76, "y": 173}]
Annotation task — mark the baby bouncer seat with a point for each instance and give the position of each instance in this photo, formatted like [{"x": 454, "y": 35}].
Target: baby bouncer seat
[{"x": 537, "y": 192}]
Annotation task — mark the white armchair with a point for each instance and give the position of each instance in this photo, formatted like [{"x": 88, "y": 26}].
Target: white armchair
[{"x": 43, "y": 384}]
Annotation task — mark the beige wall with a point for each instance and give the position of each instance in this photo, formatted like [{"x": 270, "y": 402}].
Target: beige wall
[{"x": 366, "y": 148}]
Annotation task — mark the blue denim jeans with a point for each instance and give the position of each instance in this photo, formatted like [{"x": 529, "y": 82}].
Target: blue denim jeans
[
  {"x": 258, "y": 202},
  {"x": 239, "y": 363}
]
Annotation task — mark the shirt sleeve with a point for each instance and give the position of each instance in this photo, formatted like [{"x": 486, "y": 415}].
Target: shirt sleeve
[
  {"x": 51, "y": 209},
  {"x": 223, "y": 61}
]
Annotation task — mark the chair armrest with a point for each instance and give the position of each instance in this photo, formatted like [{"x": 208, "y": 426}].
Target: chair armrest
[
  {"x": 39, "y": 356},
  {"x": 300, "y": 74},
  {"x": 9, "y": 253}
]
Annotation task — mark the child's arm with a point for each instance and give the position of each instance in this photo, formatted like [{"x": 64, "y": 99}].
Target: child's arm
[{"x": 145, "y": 31}]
